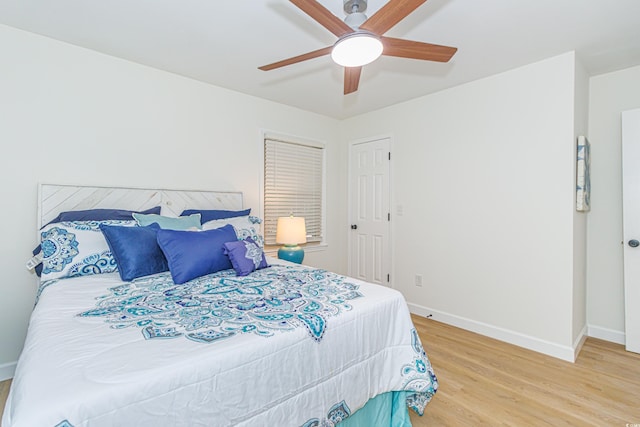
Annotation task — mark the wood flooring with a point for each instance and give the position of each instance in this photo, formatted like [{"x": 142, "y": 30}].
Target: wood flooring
[
  {"x": 484, "y": 382},
  {"x": 4, "y": 393}
]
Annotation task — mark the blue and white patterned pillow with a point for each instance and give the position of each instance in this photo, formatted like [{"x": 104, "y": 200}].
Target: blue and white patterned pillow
[
  {"x": 77, "y": 248},
  {"x": 246, "y": 256},
  {"x": 245, "y": 226}
]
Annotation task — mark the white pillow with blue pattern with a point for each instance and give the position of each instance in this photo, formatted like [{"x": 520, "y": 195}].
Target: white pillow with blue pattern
[
  {"x": 245, "y": 226},
  {"x": 77, "y": 248}
]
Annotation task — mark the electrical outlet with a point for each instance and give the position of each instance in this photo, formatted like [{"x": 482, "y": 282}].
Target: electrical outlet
[{"x": 419, "y": 280}]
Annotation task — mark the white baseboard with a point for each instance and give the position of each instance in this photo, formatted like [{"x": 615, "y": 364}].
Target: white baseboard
[
  {"x": 606, "y": 334},
  {"x": 579, "y": 342},
  {"x": 516, "y": 338},
  {"x": 7, "y": 370}
]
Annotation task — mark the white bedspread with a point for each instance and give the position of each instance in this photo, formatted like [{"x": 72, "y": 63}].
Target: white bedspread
[{"x": 102, "y": 369}]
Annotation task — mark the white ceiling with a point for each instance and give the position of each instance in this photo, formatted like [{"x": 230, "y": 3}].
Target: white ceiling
[{"x": 224, "y": 42}]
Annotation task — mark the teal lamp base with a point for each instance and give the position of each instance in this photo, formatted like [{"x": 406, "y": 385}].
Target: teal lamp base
[{"x": 292, "y": 253}]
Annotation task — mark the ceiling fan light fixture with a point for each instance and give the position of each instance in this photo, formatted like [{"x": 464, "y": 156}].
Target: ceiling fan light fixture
[
  {"x": 354, "y": 20},
  {"x": 357, "y": 49}
]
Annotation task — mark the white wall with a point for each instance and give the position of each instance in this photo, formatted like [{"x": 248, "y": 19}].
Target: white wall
[
  {"x": 485, "y": 174},
  {"x": 610, "y": 94},
  {"x": 74, "y": 116},
  {"x": 581, "y": 124}
]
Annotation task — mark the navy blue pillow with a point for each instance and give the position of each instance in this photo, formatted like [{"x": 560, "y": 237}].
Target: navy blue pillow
[
  {"x": 193, "y": 254},
  {"x": 92, "y": 215},
  {"x": 135, "y": 250},
  {"x": 101, "y": 214},
  {"x": 211, "y": 214}
]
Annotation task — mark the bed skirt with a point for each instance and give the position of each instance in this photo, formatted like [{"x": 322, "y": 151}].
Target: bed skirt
[{"x": 385, "y": 410}]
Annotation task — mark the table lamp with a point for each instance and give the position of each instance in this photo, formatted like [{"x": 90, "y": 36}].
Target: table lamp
[{"x": 291, "y": 231}]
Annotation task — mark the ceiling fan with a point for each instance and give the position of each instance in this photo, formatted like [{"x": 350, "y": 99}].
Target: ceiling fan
[{"x": 361, "y": 40}]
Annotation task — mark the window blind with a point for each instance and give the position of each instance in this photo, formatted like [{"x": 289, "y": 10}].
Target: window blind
[{"x": 293, "y": 174}]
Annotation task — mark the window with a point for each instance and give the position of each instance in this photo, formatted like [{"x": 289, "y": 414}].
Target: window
[{"x": 293, "y": 185}]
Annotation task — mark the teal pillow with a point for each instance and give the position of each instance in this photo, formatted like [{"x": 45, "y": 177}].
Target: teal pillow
[
  {"x": 212, "y": 214},
  {"x": 169, "y": 223}
]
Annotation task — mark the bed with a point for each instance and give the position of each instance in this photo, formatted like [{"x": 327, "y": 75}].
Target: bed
[{"x": 280, "y": 345}]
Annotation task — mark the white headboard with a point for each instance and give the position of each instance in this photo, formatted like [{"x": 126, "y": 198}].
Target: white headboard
[{"x": 53, "y": 199}]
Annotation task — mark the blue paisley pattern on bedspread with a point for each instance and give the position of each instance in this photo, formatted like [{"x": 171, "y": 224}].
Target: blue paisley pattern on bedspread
[
  {"x": 419, "y": 380},
  {"x": 221, "y": 305},
  {"x": 338, "y": 412},
  {"x": 419, "y": 377}
]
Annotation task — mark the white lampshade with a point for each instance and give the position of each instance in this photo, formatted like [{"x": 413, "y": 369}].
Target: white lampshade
[
  {"x": 291, "y": 230},
  {"x": 357, "y": 49}
]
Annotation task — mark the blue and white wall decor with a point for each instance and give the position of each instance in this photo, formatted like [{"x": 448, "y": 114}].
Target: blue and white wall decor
[{"x": 583, "y": 178}]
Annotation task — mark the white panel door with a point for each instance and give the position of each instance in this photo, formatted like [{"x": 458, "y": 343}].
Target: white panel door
[
  {"x": 369, "y": 206},
  {"x": 631, "y": 226}
]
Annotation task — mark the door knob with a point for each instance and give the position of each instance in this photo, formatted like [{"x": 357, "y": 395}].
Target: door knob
[
  {"x": 355, "y": 227},
  {"x": 634, "y": 243}
]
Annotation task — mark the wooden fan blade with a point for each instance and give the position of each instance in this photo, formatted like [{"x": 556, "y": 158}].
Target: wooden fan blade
[
  {"x": 351, "y": 79},
  {"x": 417, "y": 50},
  {"x": 325, "y": 18},
  {"x": 296, "y": 59},
  {"x": 389, "y": 15}
]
